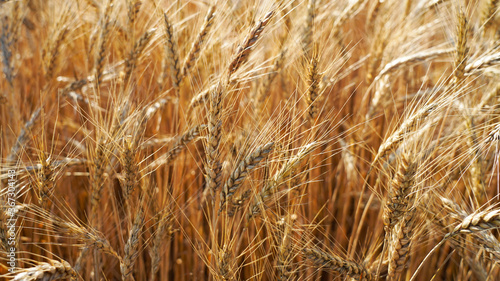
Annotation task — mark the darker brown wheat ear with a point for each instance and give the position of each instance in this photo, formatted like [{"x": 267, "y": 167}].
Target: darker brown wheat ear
[
  {"x": 314, "y": 79},
  {"x": 171, "y": 54},
  {"x": 244, "y": 50},
  {"x": 197, "y": 45},
  {"x": 241, "y": 172}
]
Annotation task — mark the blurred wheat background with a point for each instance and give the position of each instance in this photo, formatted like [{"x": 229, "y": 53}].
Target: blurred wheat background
[{"x": 250, "y": 140}]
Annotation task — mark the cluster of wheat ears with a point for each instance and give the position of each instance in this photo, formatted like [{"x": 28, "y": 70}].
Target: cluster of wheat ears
[{"x": 250, "y": 140}]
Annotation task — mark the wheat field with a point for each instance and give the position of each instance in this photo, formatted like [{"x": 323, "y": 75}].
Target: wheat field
[{"x": 249, "y": 140}]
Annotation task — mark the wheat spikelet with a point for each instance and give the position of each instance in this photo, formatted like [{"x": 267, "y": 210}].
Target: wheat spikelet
[
  {"x": 345, "y": 15},
  {"x": 223, "y": 263},
  {"x": 54, "y": 53},
  {"x": 263, "y": 91},
  {"x": 483, "y": 62},
  {"x": 88, "y": 235},
  {"x": 100, "y": 156},
  {"x": 165, "y": 227},
  {"x": 373, "y": 13},
  {"x": 130, "y": 168},
  {"x": 477, "y": 181},
  {"x": 285, "y": 248},
  {"x": 45, "y": 179},
  {"x": 308, "y": 33},
  {"x": 6, "y": 42},
  {"x": 133, "y": 8}
]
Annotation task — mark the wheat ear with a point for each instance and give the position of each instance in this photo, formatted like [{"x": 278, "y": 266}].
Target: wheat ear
[
  {"x": 132, "y": 245},
  {"x": 408, "y": 125},
  {"x": 172, "y": 55},
  {"x": 489, "y": 13},
  {"x": 46, "y": 271},
  {"x": 314, "y": 78},
  {"x": 103, "y": 39},
  {"x": 241, "y": 55},
  {"x": 338, "y": 264},
  {"x": 461, "y": 47},
  {"x": 135, "y": 54},
  {"x": 178, "y": 146},
  {"x": 411, "y": 60},
  {"x": 213, "y": 166},
  {"x": 398, "y": 257},
  {"x": 279, "y": 177},
  {"x": 23, "y": 136},
  {"x": 400, "y": 195},
  {"x": 195, "y": 50},
  {"x": 241, "y": 172}
]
